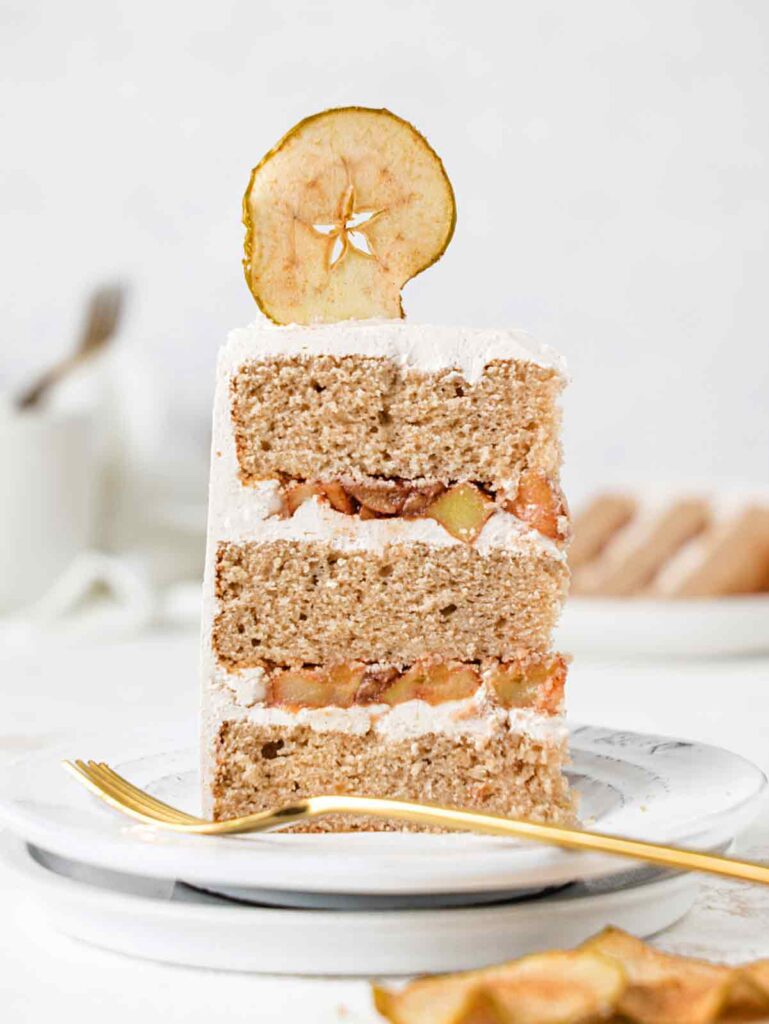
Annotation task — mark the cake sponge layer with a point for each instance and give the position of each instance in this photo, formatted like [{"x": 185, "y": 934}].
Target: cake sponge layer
[
  {"x": 294, "y": 603},
  {"x": 324, "y": 417},
  {"x": 259, "y": 767}
]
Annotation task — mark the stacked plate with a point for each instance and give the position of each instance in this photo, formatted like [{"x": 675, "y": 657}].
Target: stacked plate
[
  {"x": 695, "y": 628},
  {"x": 364, "y": 903}
]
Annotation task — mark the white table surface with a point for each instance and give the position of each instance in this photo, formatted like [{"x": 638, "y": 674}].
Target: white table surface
[{"x": 55, "y": 687}]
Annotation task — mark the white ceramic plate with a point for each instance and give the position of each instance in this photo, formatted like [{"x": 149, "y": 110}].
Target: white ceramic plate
[
  {"x": 691, "y": 628},
  {"x": 163, "y": 920},
  {"x": 631, "y": 784}
]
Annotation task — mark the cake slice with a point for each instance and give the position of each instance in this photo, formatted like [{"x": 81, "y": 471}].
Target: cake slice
[{"x": 385, "y": 567}]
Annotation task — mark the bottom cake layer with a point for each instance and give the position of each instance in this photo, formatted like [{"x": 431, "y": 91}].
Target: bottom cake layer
[{"x": 258, "y": 766}]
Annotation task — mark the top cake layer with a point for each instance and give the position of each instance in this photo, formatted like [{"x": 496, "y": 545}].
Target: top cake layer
[{"x": 387, "y": 399}]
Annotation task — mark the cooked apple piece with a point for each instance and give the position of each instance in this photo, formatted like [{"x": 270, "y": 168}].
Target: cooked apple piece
[
  {"x": 537, "y": 684},
  {"x": 374, "y": 684},
  {"x": 433, "y": 682},
  {"x": 348, "y": 206},
  {"x": 383, "y": 496},
  {"x": 297, "y": 688},
  {"x": 663, "y": 987},
  {"x": 420, "y": 498},
  {"x": 316, "y": 688},
  {"x": 339, "y": 498},
  {"x": 511, "y": 686},
  {"x": 343, "y": 681},
  {"x": 298, "y": 494},
  {"x": 462, "y": 510},
  {"x": 578, "y": 987},
  {"x": 541, "y": 504}
]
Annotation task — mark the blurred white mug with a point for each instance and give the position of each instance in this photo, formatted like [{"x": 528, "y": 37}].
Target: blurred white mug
[{"x": 48, "y": 495}]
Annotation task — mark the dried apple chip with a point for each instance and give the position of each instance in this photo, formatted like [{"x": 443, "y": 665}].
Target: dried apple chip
[
  {"x": 749, "y": 992},
  {"x": 558, "y": 988},
  {"x": 662, "y": 988},
  {"x": 546, "y": 988},
  {"x": 438, "y": 1000},
  {"x": 481, "y": 1008},
  {"x": 348, "y": 206}
]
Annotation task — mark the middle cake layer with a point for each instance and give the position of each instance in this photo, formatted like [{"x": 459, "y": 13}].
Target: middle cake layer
[{"x": 309, "y": 602}]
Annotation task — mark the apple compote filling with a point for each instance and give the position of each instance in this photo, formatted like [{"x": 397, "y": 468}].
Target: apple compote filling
[
  {"x": 462, "y": 508},
  {"x": 534, "y": 681}
]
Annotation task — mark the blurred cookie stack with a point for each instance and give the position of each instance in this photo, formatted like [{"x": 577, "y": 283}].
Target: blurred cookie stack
[{"x": 678, "y": 546}]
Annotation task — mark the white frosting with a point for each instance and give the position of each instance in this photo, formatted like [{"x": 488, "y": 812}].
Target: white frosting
[
  {"x": 421, "y": 347},
  {"x": 247, "y": 686},
  {"x": 472, "y": 716}
]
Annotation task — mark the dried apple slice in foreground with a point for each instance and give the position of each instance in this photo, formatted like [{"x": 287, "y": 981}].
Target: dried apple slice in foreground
[
  {"x": 546, "y": 988},
  {"x": 661, "y": 986},
  {"x": 349, "y": 206}
]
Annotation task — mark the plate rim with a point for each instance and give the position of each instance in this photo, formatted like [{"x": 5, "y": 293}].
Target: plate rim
[
  {"x": 155, "y": 926},
  {"x": 20, "y": 856},
  {"x": 536, "y": 865},
  {"x": 648, "y": 627}
]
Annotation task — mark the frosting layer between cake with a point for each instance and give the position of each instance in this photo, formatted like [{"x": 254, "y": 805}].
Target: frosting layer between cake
[
  {"x": 248, "y": 512},
  {"x": 473, "y": 716}
]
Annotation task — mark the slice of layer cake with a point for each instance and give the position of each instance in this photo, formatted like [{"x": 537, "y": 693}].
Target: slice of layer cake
[{"x": 385, "y": 567}]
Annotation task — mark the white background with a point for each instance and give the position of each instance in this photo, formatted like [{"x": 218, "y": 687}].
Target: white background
[{"x": 609, "y": 159}]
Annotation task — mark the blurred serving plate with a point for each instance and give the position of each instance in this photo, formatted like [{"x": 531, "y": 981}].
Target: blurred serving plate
[
  {"x": 647, "y": 786},
  {"x": 172, "y": 922},
  {"x": 695, "y": 627}
]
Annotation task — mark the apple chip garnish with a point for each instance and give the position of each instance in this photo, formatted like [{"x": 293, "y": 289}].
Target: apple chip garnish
[
  {"x": 349, "y": 206},
  {"x": 546, "y": 988},
  {"x": 613, "y": 976},
  {"x": 663, "y": 987}
]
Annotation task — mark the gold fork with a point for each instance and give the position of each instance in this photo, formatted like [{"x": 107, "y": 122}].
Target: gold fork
[{"x": 119, "y": 793}]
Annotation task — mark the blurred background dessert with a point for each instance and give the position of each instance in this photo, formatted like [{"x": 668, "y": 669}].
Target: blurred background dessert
[{"x": 685, "y": 544}]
